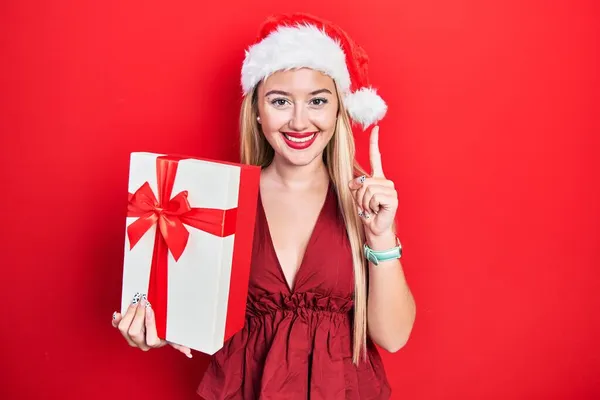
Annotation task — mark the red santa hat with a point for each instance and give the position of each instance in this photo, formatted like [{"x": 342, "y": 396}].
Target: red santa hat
[{"x": 301, "y": 40}]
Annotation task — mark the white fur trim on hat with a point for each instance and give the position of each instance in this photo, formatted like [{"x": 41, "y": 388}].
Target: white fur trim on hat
[
  {"x": 295, "y": 47},
  {"x": 365, "y": 106}
]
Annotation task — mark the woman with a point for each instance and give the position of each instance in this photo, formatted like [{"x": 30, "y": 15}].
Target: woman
[{"x": 324, "y": 239}]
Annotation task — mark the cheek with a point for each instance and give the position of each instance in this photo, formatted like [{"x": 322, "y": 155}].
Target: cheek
[
  {"x": 273, "y": 120},
  {"x": 325, "y": 121}
]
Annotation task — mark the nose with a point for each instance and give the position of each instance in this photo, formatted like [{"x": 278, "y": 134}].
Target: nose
[{"x": 299, "y": 121}]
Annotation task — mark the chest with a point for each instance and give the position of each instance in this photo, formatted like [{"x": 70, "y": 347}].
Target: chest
[
  {"x": 291, "y": 223},
  {"x": 300, "y": 248}
]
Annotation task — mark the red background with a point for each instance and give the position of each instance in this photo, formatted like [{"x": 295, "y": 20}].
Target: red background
[{"x": 492, "y": 140}]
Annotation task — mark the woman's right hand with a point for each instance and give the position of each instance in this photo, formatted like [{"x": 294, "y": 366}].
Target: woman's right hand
[{"x": 138, "y": 327}]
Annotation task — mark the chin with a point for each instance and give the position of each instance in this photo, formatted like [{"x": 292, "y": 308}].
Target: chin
[
  {"x": 302, "y": 160},
  {"x": 300, "y": 150},
  {"x": 301, "y": 156}
]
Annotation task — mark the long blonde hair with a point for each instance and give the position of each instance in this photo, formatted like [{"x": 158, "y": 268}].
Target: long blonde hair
[{"x": 339, "y": 156}]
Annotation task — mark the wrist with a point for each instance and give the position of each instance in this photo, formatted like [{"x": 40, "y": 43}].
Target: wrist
[
  {"x": 381, "y": 242},
  {"x": 382, "y": 248}
]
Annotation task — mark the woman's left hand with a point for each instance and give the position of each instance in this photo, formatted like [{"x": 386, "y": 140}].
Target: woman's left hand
[{"x": 375, "y": 197}]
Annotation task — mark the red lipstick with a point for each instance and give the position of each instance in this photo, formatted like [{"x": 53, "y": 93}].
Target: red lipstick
[{"x": 299, "y": 140}]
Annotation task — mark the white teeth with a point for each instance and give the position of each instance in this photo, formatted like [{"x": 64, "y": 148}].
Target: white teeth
[{"x": 296, "y": 140}]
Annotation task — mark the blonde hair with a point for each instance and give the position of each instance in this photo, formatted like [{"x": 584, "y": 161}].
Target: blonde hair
[{"x": 339, "y": 156}]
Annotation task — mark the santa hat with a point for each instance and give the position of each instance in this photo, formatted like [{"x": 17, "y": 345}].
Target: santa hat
[{"x": 301, "y": 40}]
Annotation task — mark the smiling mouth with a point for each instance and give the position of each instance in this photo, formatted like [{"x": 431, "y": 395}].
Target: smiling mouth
[{"x": 299, "y": 139}]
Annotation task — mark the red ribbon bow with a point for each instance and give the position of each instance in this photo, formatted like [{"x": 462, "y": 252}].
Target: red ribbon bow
[{"x": 171, "y": 215}]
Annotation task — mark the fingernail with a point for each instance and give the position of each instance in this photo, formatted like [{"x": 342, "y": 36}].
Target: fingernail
[
  {"x": 362, "y": 179},
  {"x": 360, "y": 213},
  {"x": 366, "y": 215},
  {"x": 144, "y": 296},
  {"x": 136, "y": 298},
  {"x": 115, "y": 315},
  {"x": 148, "y": 305},
  {"x": 189, "y": 355}
]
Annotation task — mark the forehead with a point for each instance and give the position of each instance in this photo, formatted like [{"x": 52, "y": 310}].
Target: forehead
[{"x": 303, "y": 80}]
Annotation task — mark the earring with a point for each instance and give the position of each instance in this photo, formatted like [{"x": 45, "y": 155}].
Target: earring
[{"x": 258, "y": 119}]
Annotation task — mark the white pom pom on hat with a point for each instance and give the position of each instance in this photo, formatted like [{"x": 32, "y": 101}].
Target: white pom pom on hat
[{"x": 301, "y": 40}]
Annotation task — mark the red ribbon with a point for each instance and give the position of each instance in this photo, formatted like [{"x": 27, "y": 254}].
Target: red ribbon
[{"x": 171, "y": 215}]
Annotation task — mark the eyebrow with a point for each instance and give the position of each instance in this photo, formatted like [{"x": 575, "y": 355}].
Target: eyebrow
[{"x": 281, "y": 92}]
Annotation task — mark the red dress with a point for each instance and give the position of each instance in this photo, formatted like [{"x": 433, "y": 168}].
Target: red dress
[{"x": 297, "y": 343}]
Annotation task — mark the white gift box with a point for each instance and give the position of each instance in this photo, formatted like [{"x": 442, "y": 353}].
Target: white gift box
[{"x": 188, "y": 244}]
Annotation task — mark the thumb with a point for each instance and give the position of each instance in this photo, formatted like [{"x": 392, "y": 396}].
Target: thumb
[
  {"x": 356, "y": 183},
  {"x": 116, "y": 319},
  {"x": 182, "y": 349}
]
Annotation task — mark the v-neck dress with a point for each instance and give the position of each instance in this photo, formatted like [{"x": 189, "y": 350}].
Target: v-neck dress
[{"x": 297, "y": 342}]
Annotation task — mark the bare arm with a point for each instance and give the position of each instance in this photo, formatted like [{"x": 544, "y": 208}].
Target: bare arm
[{"x": 391, "y": 307}]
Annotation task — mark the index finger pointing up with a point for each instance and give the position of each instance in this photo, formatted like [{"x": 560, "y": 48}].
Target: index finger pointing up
[{"x": 374, "y": 154}]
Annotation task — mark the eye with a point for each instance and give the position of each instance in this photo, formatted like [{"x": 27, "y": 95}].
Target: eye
[
  {"x": 319, "y": 101},
  {"x": 280, "y": 102}
]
